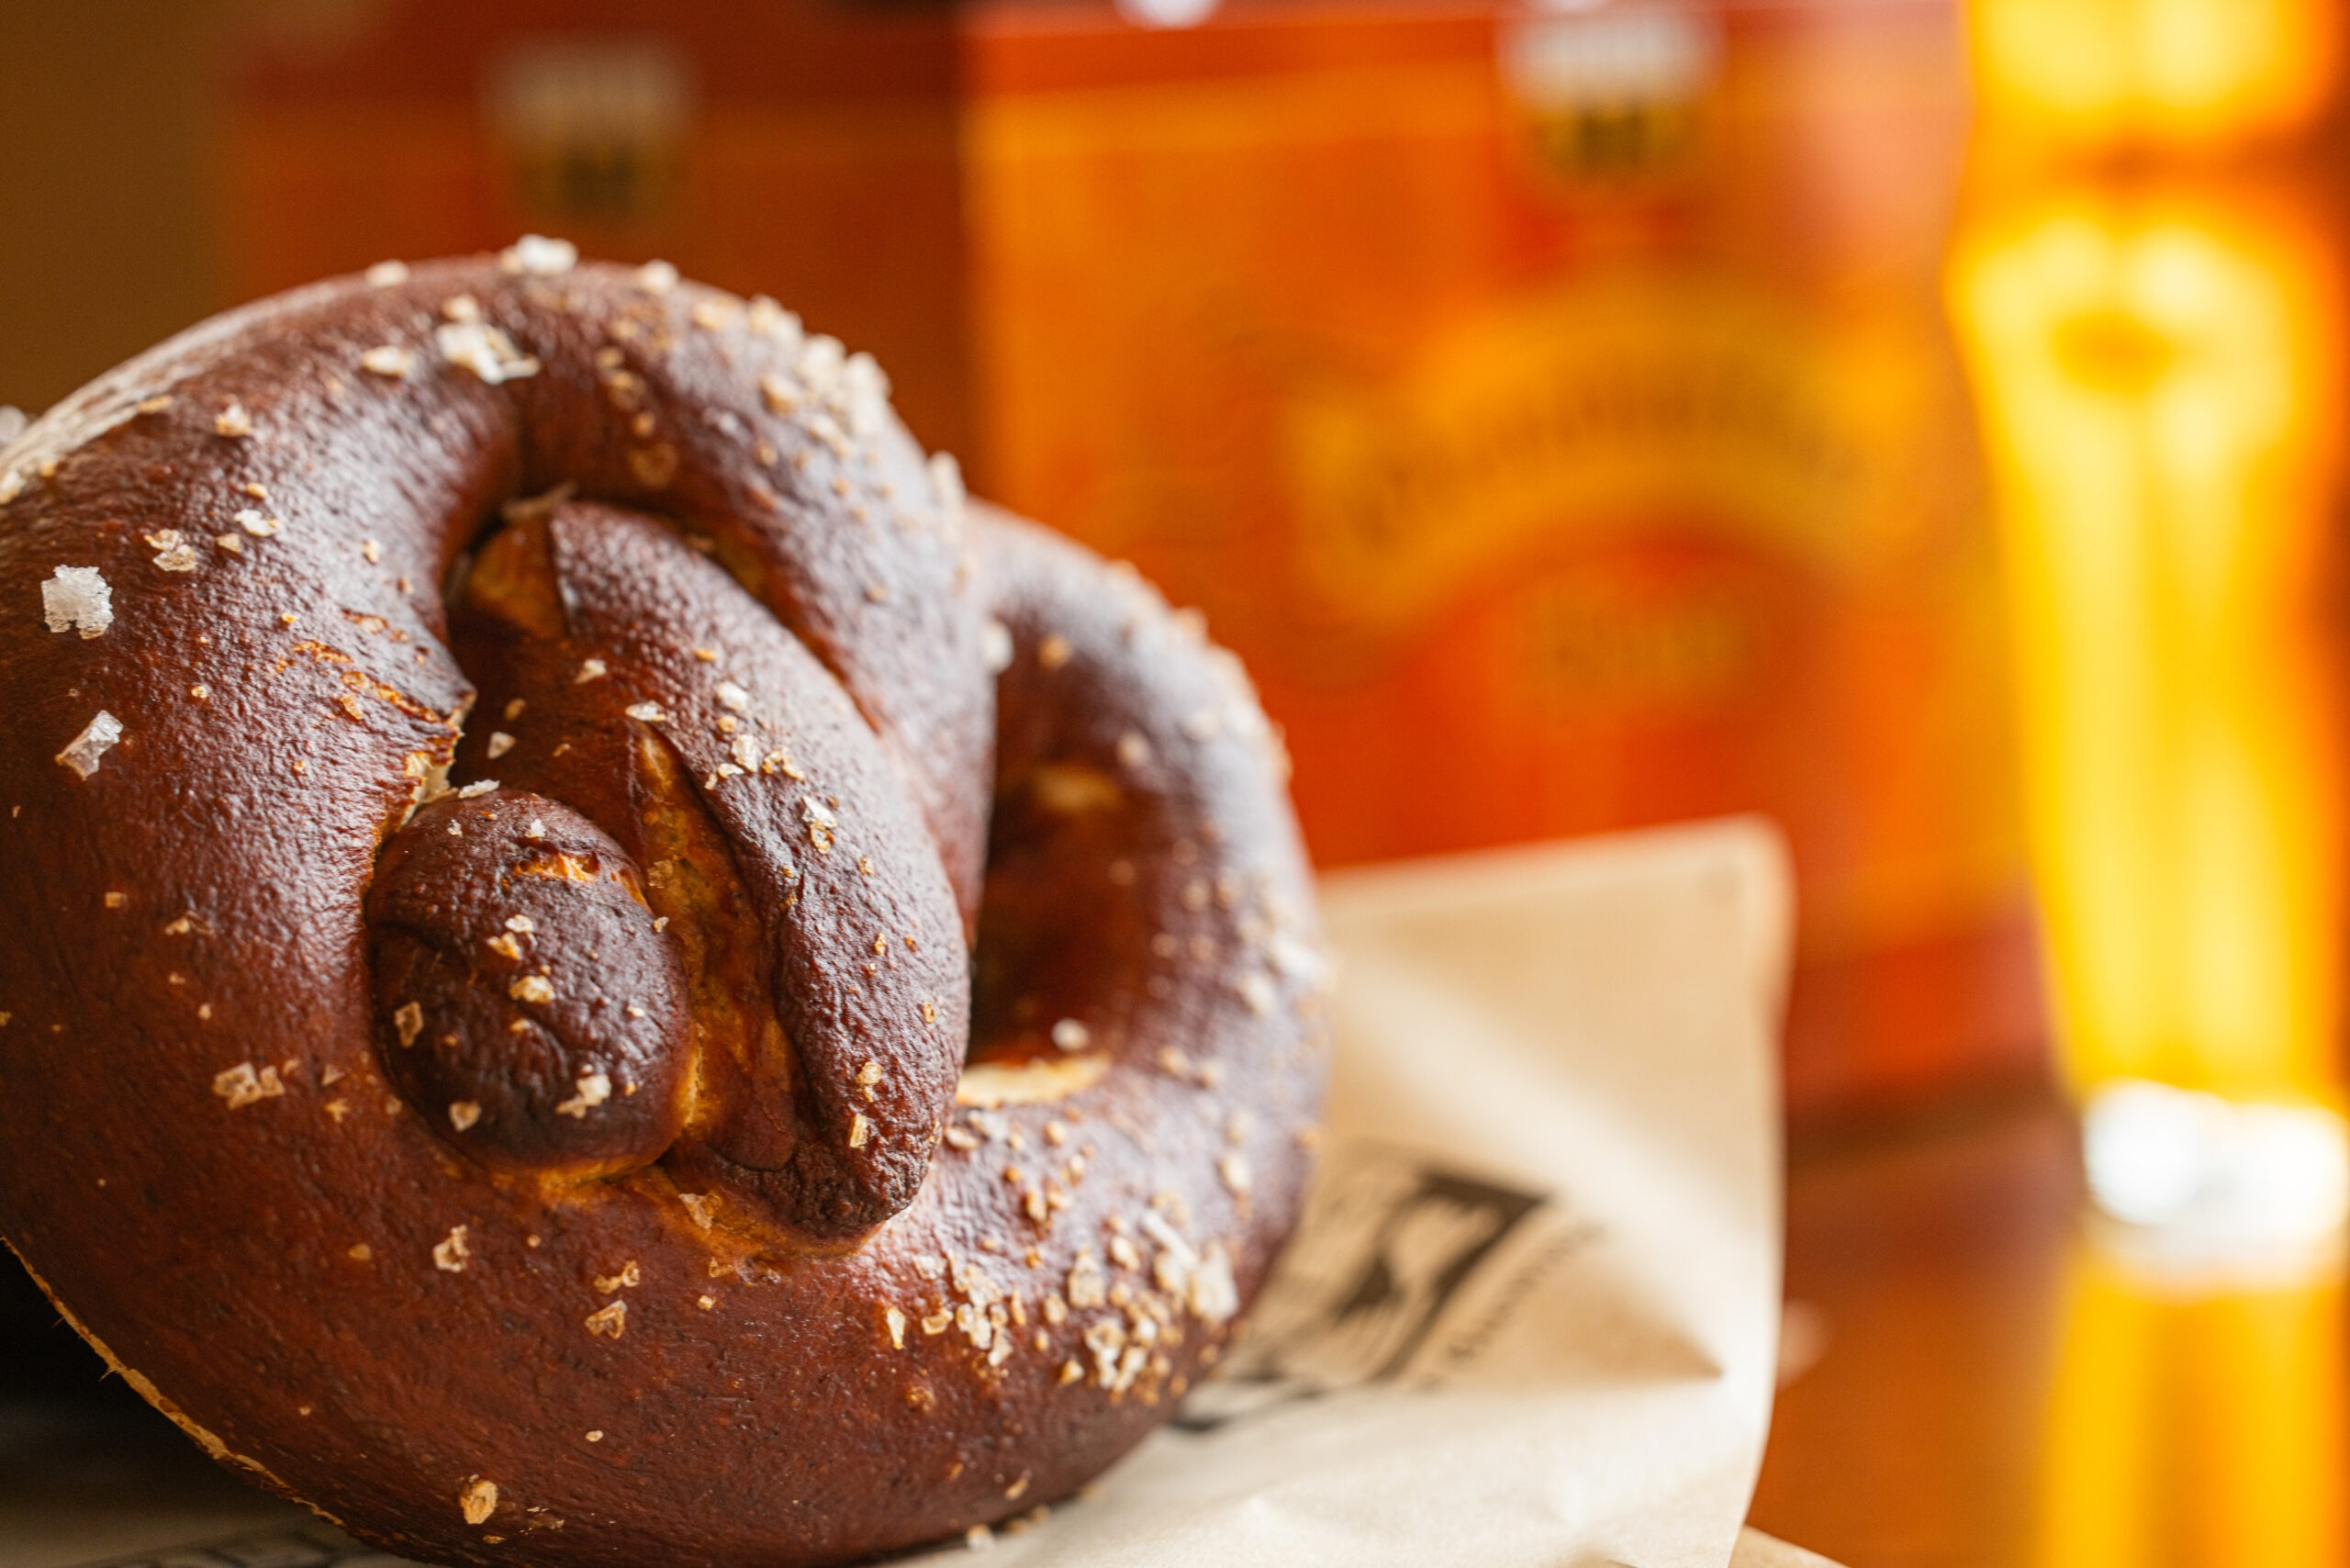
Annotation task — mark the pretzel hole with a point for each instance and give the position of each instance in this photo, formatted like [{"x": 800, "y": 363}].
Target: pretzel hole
[
  {"x": 511, "y": 576},
  {"x": 1072, "y": 790},
  {"x": 1031, "y": 1081},
  {"x": 1061, "y": 948}
]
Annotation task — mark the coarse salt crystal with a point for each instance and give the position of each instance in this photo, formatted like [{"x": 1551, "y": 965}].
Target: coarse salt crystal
[
  {"x": 594, "y": 1089},
  {"x": 386, "y": 360},
  {"x": 1257, "y": 991},
  {"x": 78, "y": 597},
  {"x": 172, "y": 551},
  {"x": 995, "y": 647},
  {"x": 1214, "y": 1298},
  {"x": 538, "y": 255},
  {"x": 770, "y": 320},
  {"x": 733, "y": 697},
  {"x": 646, "y": 712},
  {"x": 822, "y": 358},
  {"x": 449, "y": 1256},
  {"x": 1087, "y": 1285},
  {"x": 779, "y": 395},
  {"x": 867, "y": 394},
  {"x": 477, "y": 789},
  {"x": 487, "y": 352},
  {"x": 384, "y": 275},
  {"x": 1296, "y": 959},
  {"x": 947, "y": 480},
  {"x": 241, "y": 1086},
  {"x": 656, "y": 277},
  {"x": 233, "y": 420},
  {"x": 98, "y": 738}
]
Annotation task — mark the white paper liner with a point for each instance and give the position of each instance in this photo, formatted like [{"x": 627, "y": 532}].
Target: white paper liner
[{"x": 1531, "y": 1317}]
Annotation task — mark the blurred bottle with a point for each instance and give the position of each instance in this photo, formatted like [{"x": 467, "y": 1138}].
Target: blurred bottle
[
  {"x": 2149, "y": 282},
  {"x": 1552, "y": 403},
  {"x": 1553, "y": 406}
]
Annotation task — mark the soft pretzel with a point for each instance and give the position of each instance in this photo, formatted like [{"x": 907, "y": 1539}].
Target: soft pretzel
[{"x": 600, "y": 970}]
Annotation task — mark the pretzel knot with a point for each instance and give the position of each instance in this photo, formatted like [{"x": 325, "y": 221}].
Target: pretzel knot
[{"x": 611, "y": 970}]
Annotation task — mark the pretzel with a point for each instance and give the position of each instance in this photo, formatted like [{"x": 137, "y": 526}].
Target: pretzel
[{"x": 604, "y": 970}]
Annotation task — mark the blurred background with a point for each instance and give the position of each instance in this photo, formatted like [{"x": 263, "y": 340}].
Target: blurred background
[{"x": 1920, "y": 422}]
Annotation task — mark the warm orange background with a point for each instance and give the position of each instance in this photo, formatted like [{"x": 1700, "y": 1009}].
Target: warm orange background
[
  {"x": 1551, "y": 475},
  {"x": 1544, "y": 495}
]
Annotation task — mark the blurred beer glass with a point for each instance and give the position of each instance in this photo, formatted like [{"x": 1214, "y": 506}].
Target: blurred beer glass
[
  {"x": 2182, "y": 75},
  {"x": 2149, "y": 294},
  {"x": 2148, "y": 286},
  {"x": 2194, "y": 1420}
]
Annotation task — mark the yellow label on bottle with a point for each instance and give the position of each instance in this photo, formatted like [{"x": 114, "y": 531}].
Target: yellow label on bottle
[{"x": 1587, "y": 411}]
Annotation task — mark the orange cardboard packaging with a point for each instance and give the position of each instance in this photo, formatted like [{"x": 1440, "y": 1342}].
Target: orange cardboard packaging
[{"x": 1552, "y": 406}]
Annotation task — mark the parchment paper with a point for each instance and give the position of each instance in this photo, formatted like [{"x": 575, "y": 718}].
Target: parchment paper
[{"x": 1531, "y": 1317}]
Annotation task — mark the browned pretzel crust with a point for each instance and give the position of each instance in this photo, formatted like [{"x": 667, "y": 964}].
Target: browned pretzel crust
[{"x": 837, "y": 1087}]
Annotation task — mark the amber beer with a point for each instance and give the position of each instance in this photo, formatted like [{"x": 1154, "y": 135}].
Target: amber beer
[
  {"x": 1553, "y": 407},
  {"x": 2149, "y": 279}
]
